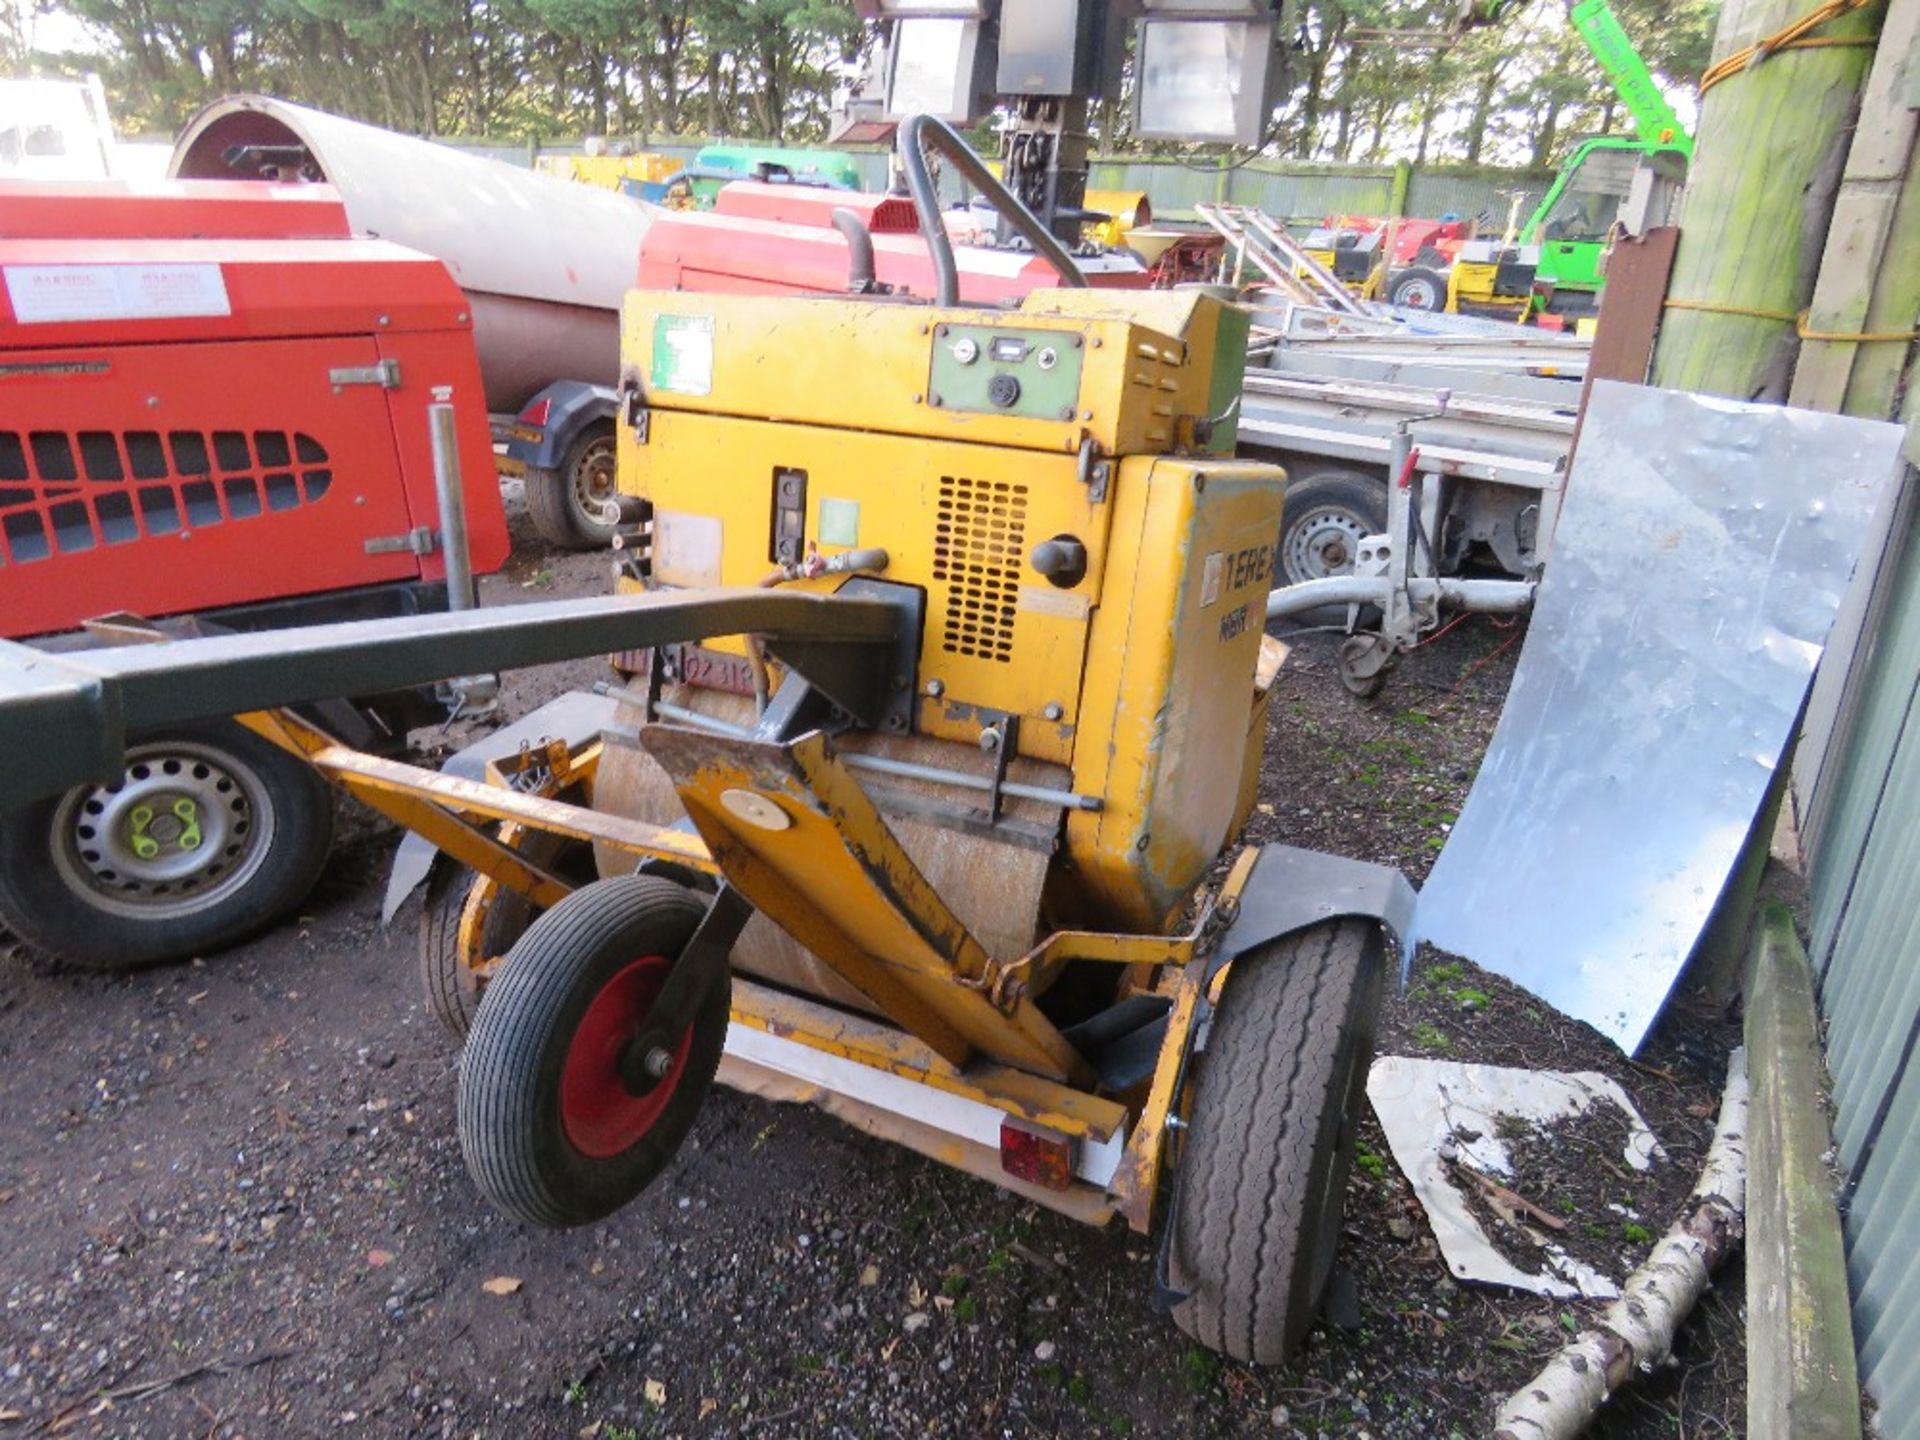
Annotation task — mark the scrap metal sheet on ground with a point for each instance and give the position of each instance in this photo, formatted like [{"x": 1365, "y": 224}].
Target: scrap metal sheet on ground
[
  {"x": 1700, "y": 556},
  {"x": 1448, "y": 1123}
]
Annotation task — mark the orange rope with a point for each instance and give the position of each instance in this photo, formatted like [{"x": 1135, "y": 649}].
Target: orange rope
[
  {"x": 1791, "y": 37},
  {"x": 1799, "y": 323}
]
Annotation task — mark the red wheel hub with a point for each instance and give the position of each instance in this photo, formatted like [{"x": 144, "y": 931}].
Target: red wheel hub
[{"x": 601, "y": 1117}]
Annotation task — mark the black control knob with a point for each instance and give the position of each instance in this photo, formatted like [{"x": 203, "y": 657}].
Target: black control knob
[
  {"x": 1063, "y": 560},
  {"x": 1004, "y": 390}
]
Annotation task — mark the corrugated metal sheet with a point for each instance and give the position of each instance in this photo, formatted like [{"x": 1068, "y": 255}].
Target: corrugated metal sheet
[
  {"x": 1313, "y": 194},
  {"x": 1174, "y": 189},
  {"x": 1437, "y": 193},
  {"x": 1866, "y": 950}
]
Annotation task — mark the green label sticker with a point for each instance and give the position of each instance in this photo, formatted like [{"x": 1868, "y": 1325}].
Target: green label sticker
[
  {"x": 840, "y": 522},
  {"x": 683, "y": 354}
]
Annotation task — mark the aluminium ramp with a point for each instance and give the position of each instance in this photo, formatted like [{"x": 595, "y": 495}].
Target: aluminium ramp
[{"x": 1701, "y": 554}]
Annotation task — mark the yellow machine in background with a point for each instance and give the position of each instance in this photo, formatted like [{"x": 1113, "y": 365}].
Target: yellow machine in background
[
  {"x": 609, "y": 172},
  {"x": 1126, "y": 212}
]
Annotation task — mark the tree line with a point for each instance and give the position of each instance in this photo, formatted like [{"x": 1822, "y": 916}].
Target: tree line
[{"x": 1369, "y": 80}]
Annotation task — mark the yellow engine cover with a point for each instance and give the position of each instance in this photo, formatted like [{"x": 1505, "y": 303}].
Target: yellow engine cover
[
  {"x": 959, "y": 441},
  {"x": 1169, "y": 690}
]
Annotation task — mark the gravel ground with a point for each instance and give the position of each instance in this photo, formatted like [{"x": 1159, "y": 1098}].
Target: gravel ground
[{"x": 234, "y": 1203}]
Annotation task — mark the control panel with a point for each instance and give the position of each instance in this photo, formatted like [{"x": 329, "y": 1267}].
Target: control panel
[{"x": 995, "y": 370}]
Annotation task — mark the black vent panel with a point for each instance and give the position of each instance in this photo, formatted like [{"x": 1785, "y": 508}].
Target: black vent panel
[{"x": 62, "y": 492}]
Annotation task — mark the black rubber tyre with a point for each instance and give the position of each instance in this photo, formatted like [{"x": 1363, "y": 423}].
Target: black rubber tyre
[
  {"x": 1262, "y": 1174},
  {"x": 1327, "y": 512},
  {"x": 451, "y": 997},
  {"x": 558, "y": 500},
  {"x": 549, "y": 1136},
  {"x": 74, "y": 883},
  {"x": 1418, "y": 288}
]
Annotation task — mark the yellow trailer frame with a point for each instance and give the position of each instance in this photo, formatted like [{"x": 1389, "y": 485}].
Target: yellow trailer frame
[{"x": 976, "y": 999}]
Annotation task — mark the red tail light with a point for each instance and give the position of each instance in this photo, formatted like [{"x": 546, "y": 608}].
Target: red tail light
[
  {"x": 1039, "y": 1157},
  {"x": 537, "y": 412}
]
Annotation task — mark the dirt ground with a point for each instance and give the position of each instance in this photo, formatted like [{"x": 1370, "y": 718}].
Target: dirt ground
[{"x": 234, "y": 1204}]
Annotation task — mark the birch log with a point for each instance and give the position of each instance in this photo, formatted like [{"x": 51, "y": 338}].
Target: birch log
[{"x": 1636, "y": 1332}]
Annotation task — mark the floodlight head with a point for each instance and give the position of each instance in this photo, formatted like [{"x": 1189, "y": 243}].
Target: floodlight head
[
  {"x": 1204, "y": 78},
  {"x": 1209, "y": 9},
  {"x": 901, "y": 9},
  {"x": 1061, "y": 47},
  {"x": 940, "y": 65}
]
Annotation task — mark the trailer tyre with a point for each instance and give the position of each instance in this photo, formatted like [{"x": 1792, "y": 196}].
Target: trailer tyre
[
  {"x": 1263, "y": 1171},
  {"x": 451, "y": 990},
  {"x": 563, "y": 503},
  {"x": 552, "y": 1135},
  {"x": 210, "y": 834},
  {"x": 1418, "y": 288},
  {"x": 1326, "y": 515}
]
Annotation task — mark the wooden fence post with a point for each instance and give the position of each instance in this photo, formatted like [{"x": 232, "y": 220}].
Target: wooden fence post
[
  {"x": 1870, "y": 274},
  {"x": 1768, "y": 162},
  {"x": 1801, "y": 1376}
]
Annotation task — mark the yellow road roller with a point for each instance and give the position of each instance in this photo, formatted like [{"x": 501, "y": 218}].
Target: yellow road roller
[{"x": 948, "y": 692}]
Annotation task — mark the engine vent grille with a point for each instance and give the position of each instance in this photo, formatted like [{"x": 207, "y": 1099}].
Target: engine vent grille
[
  {"x": 978, "y": 543},
  {"x": 64, "y": 492}
]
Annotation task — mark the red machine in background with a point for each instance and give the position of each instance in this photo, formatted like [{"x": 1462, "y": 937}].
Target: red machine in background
[
  {"x": 1414, "y": 237},
  {"x": 784, "y": 239},
  {"x": 1349, "y": 246},
  {"x": 212, "y": 395},
  {"x": 217, "y": 409}
]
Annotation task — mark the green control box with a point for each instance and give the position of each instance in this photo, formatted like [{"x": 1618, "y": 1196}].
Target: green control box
[{"x": 995, "y": 370}]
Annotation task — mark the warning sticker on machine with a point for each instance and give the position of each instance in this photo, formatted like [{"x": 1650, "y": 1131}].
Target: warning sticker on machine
[
  {"x": 44, "y": 294},
  {"x": 683, "y": 354},
  {"x": 1210, "y": 577}
]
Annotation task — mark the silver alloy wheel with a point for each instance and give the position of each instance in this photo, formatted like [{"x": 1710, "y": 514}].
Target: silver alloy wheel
[
  {"x": 593, "y": 479},
  {"x": 187, "y": 826},
  {"x": 1322, "y": 543},
  {"x": 1417, "y": 294}
]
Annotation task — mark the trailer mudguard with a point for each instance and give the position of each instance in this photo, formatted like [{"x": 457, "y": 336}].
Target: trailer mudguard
[
  {"x": 1291, "y": 888},
  {"x": 571, "y": 406}
]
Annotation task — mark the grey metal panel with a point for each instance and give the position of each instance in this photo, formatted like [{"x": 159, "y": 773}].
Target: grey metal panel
[
  {"x": 1874, "y": 992},
  {"x": 63, "y": 717},
  {"x": 1864, "y": 840},
  {"x": 1888, "y": 660},
  {"x": 1697, "y": 566},
  {"x": 1174, "y": 189},
  {"x": 1867, "y": 993},
  {"x": 1838, "y": 687},
  {"x": 1881, "y": 1265},
  {"x": 1312, "y": 194}
]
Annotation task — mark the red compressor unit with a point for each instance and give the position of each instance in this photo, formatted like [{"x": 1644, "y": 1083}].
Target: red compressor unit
[{"x": 215, "y": 407}]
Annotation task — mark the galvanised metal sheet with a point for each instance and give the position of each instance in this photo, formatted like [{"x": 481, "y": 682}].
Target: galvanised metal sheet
[{"x": 1701, "y": 554}]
